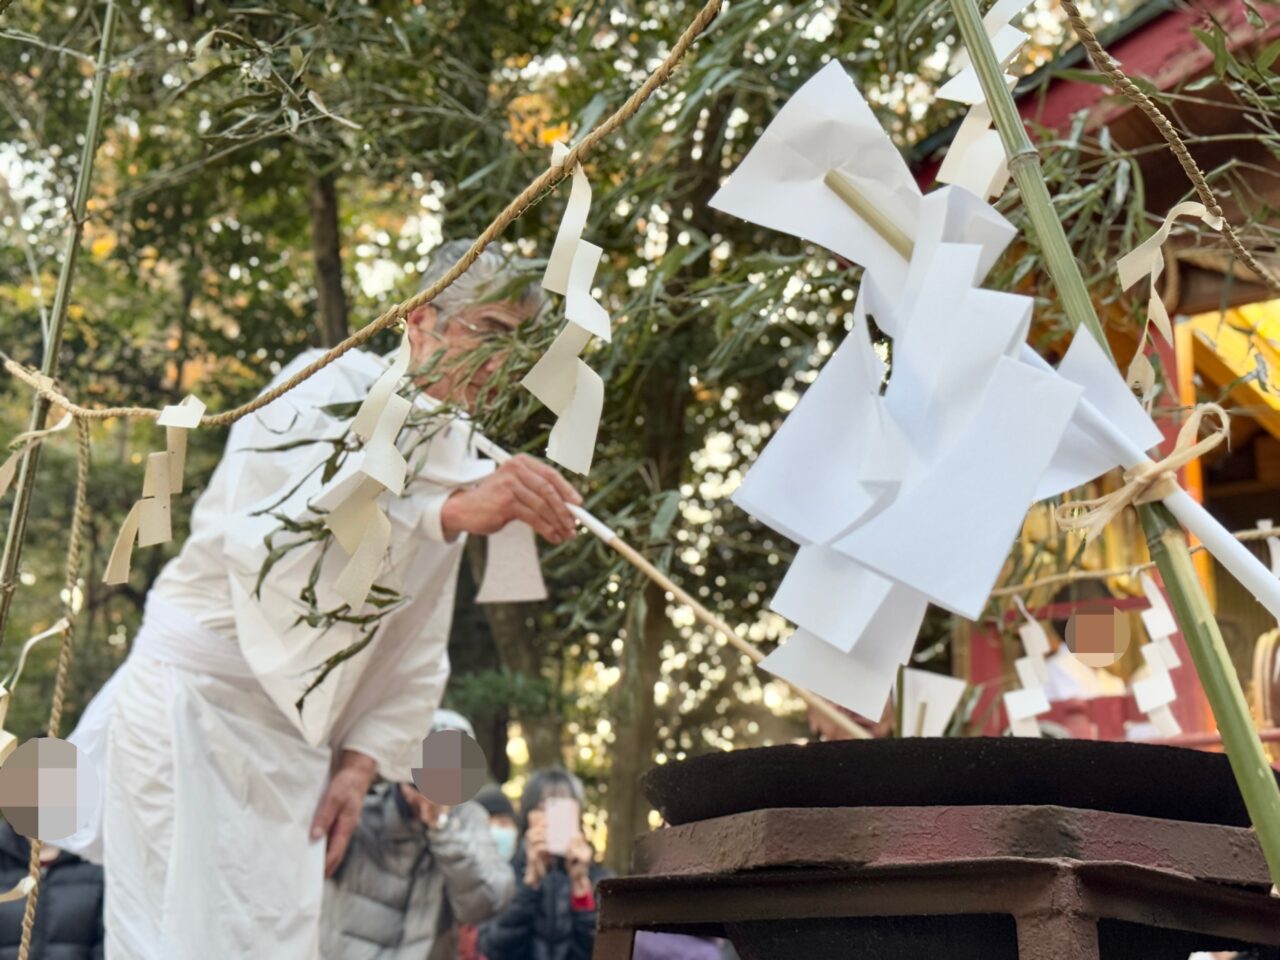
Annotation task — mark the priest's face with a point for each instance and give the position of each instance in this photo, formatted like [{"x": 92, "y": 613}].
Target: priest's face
[{"x": 460, "y": 352}]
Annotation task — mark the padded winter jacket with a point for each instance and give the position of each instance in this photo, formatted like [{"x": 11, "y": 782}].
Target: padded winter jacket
[
  {"x": 402, "y": 888},
  {"x": 541, "y": 924},
  {"x": 68, "y": 912}
]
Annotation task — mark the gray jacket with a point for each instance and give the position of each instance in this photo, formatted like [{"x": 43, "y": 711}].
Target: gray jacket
[{"x": 402, "y": 888}]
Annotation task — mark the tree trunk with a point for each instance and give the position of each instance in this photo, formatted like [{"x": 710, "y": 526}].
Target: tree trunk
[
  {"x": 667, "y": 442},
  {"x": 326, "y": 247},
  {"x": 666, "y": 398}
]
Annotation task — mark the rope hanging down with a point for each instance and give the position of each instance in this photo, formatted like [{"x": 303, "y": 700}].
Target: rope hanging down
[
  {"x": 70, "y": 579},
  {"x": 1107, "y": 65}
]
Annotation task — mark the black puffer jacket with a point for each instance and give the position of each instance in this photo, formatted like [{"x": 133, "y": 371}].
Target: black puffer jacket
[
  {"x": 68, "y": 913},
  {"x": 540, "y": 924}
]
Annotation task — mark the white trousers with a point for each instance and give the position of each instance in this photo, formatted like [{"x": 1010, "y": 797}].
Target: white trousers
[{"x": 209, "y": 797}]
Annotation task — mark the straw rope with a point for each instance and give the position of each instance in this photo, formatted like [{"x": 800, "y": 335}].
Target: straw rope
[
  {"x": 527, "y": 198},
  {"x": 1108, "y": 66},
  {"x": 70, "y": 581},
  {"x": 1149, "y": 481},
  {"x": 1073, "y": 576}
]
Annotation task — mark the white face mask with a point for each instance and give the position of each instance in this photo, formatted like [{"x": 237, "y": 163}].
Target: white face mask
[{"x": 504, "y": 838}]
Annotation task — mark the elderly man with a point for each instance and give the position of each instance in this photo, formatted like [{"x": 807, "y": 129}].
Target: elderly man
[{"x": 225, "y": 807}]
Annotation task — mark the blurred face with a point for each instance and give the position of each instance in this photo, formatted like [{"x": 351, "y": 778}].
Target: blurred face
[
  {"x": 506, "y": 837},
  {"x": 555, "y": 790},
  {"x": 455, "y": 344}
]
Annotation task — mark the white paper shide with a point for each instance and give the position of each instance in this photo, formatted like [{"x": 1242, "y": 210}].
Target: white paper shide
[{"x": 909, "y": 493}]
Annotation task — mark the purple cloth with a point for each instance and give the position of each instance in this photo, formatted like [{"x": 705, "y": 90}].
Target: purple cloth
[{"x": 673, "y": 946}]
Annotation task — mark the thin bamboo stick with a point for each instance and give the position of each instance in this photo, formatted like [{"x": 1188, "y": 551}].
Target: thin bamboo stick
[
  {"x": 748, "y": 649},
  {"x": 53, "y": 343},
  {"x": 610, "y": 538},
  {"x": 1165, "y": 539}
]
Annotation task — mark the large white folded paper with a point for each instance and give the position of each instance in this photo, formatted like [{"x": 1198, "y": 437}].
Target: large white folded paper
[
  {"x": 826, "y": 125},
  {"x": 880, "y": 491},
  {"x": 1081, "y": 457},
  {"x": 860, "y": 680},
  {"x": 841, "y": 423},
  {"x": 961, "y": 500}
]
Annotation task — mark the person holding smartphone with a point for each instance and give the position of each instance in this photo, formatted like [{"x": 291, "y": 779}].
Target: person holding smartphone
[{"x": 553, "y": 913}]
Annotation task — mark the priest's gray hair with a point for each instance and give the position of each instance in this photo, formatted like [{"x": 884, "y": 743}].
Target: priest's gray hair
[{"x": 494, "y": 276}]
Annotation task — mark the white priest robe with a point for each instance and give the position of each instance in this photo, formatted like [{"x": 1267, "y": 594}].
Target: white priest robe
[{"x": 211, "y": 775}]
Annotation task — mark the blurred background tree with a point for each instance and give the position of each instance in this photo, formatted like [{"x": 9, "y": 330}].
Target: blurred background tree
[{"x": 273, "y": 176}]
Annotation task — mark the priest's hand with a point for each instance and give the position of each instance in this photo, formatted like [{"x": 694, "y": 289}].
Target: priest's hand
[
  {"x": 521, "y": 489},
  {"x": 340, "y": 808}
]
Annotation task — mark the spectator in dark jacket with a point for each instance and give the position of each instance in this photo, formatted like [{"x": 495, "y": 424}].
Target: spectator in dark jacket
[
  {"x": 553, "y": 915},
  {"x": 69, "y": 912},
  {"x": 506, "y": 837}
]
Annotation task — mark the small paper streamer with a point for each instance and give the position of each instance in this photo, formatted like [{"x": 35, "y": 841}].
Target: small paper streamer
[
  {"x": 8, "y": 742},
  {"x": 19, "y": 890},
  {"x": 574, "y": 221},
  {"x": 1027, "y": 703},
  {"x": 21, "y": 443},
  {"x": 1155, "y": 692},
  {"x": 561, "y": 380},
  {"x": 1147, "y": 260},
  {"x": 976, "y": 158},
  {"x": 1159, "y": 618},
  {"x": 929, "y": 700},
  {"x": 358, "y": 523},
  {"x": 148, "y": 521},
  {"x": 512, "y": 573},
  {"x": 1273, "y": 546}
]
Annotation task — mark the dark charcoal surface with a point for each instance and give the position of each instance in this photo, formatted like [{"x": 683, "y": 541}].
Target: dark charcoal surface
[{"x": 1152, "y": 781}]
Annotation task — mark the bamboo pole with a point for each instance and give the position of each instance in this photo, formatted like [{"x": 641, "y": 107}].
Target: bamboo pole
[
  {"x": 609, "y": 537},
  {"x": 1167, "y": 542},
  {"x": 57, "y": 324}
]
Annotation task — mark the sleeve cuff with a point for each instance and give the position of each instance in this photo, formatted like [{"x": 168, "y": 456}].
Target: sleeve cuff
[
  {"x": 394, "y": 769},
  {"x": 584, "y": 903},
  {"x": 432, "y": 524}
]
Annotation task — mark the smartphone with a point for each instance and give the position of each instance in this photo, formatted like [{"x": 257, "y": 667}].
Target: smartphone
[{"x": 563, "y": 815}]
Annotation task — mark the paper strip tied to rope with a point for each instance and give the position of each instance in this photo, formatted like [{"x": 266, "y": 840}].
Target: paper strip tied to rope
[
  {"x": 1147, "y": 260},
  {"x": 148, "y": 522},
  {"x": 21, "y": 444},
  {"x": 9, "y": 742},
  {"x": 561, "y": 380},
  {"x": 1149, "y": 481}
]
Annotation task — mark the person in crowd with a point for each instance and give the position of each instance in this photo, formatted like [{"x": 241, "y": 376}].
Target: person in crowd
[
  {"x": 413, "y": 872},
  {"x": 506, "y": 837},
  {"x": 502, "y": 820},
  {"x": 226, "y": 803},
  {"x": 68, "y": 923},
  {"x": 553, "y": 914}
]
